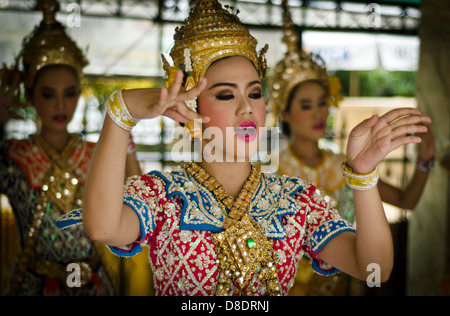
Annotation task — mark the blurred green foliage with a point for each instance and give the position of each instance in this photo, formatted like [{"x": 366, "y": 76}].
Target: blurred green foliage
[{"x": 381, "y": 83}]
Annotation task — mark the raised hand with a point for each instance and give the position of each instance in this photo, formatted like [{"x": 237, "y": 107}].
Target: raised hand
[
  {"x": 10, "y": 82},
  {"x": 373, "y": 139},
  {"x": 153, "y": 102}
]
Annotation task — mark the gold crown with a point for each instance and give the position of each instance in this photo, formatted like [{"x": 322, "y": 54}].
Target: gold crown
[
  {"x": 296, "y": 67},
  {"x": 49, "y": 45},
  {"x": 209, "y": 34}
]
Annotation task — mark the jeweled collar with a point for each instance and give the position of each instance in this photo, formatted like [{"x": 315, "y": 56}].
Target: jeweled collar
[
  {"x": 274, "y": 198},
  {"x": 35, "y": 157}
]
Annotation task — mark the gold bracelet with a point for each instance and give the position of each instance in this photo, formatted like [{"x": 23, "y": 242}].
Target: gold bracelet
[
  {"x": 360, "y": 182},
  {"x": 118, "y": 111}
]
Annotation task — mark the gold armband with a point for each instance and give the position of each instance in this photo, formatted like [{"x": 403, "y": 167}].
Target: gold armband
[
  {"x": 119, "y": 113},
  {"x": 360, "y": 182}
]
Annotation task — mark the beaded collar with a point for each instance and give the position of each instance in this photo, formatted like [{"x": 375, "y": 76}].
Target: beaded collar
[
  {"x": 237, "y": 207},
  {"x": 272, "y": 201},
  {"x": 62, "y": 185},
  {"x": 242, "y": 249}
]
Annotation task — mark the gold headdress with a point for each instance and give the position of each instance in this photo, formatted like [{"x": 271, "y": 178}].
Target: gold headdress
[
  {"x": 296, "y": 67},
  {"x": 209, "y": 34},
  {"x": 49, "y": 45}
]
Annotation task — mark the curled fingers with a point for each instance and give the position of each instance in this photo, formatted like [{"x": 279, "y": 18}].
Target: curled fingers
[{"x": 181, "y": 99}]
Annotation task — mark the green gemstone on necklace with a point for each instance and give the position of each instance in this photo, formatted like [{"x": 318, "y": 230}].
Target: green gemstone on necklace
[{"x": 250, "y": 243}]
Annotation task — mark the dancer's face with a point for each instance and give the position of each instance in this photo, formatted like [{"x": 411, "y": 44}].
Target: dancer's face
[
  {"x": 308, "y": 111},
  {"x": 233, "y": 99},
  {"x": 55, "y": 96}
]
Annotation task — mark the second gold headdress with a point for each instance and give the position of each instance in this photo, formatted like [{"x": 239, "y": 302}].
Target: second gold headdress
[
  {"x": 209, "y": 34},
  {"x": 49, "y": 45}
]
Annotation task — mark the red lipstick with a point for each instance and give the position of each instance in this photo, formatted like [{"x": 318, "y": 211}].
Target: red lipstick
[
  {"x": 319, "y": 126},
  {"x": 60, "y": 118},
  {"x": 246, "y": 131}
]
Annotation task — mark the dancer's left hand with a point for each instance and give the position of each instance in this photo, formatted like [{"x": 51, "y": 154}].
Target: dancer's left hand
[{"x": 373, "y": 139}]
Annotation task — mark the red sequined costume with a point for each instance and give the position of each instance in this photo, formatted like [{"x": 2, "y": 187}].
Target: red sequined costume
[
  {"x": 178, "y": 217},
  {"x": 24, "y": 167}
]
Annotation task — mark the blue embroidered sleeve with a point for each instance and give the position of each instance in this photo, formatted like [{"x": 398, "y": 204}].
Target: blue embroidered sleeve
[
  {"x": 146, "y": 224},
  {"x": 141, "y": 197},
  {"x": 323, "y": 223},
  {"x": 321, "y": 237},
  {"x": 71, "y": 219}
]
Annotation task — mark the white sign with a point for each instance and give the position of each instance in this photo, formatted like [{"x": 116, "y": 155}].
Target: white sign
[{"x": 349, "y": 51}]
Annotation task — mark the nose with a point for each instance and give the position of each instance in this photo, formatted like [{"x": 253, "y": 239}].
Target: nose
[
  {"x": 319, "y": 113},
  {"x": 245, "y": 107},
  {"x": 59, "y": 103}
]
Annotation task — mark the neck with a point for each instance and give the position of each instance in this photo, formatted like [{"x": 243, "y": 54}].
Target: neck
[
  {"x": 306, "y": 150},
  {"x": 231, "y": 181},
  {"x": 57, "y": 141}
]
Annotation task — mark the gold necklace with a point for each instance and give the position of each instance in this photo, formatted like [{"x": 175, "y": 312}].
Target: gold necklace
[
  {"x": 242, "y": 249},
  {"x": 61, "y": 158},
  {"x": 236, "y": 207},
  {"x": 61, "y": 186}
]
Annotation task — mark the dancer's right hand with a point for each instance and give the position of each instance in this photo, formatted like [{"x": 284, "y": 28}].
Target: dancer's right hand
[
  {"x": 170, "y": 102},
  {"x": 10, "y": 82}
]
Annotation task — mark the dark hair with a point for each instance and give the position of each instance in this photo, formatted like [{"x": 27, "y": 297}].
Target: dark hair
[{"x": 284, "y": 126}]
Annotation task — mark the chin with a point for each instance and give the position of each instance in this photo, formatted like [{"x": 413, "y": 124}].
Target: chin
[
  {"x": 243, "y": 151},
  {"x": 57, "y": 129}
]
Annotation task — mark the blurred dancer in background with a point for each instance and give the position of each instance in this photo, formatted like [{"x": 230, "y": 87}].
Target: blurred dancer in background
[
  {"x": 302, "y": 93},
  {"x": 43, "y": 176}
]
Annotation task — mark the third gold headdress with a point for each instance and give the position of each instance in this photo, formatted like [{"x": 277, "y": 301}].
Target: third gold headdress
[
  {"x": 296, "y": 67},
  {"x": 209, "y": 34}
]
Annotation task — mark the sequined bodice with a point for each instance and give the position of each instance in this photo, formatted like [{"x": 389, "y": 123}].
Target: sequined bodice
[{"x": 179, "y": 217}]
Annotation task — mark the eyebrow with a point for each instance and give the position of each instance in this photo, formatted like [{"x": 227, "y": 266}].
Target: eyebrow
[
  {"x": 233, "y": 85},
  {"x": 307, "y": 100},
  {"x": 53, "y": 89}
]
